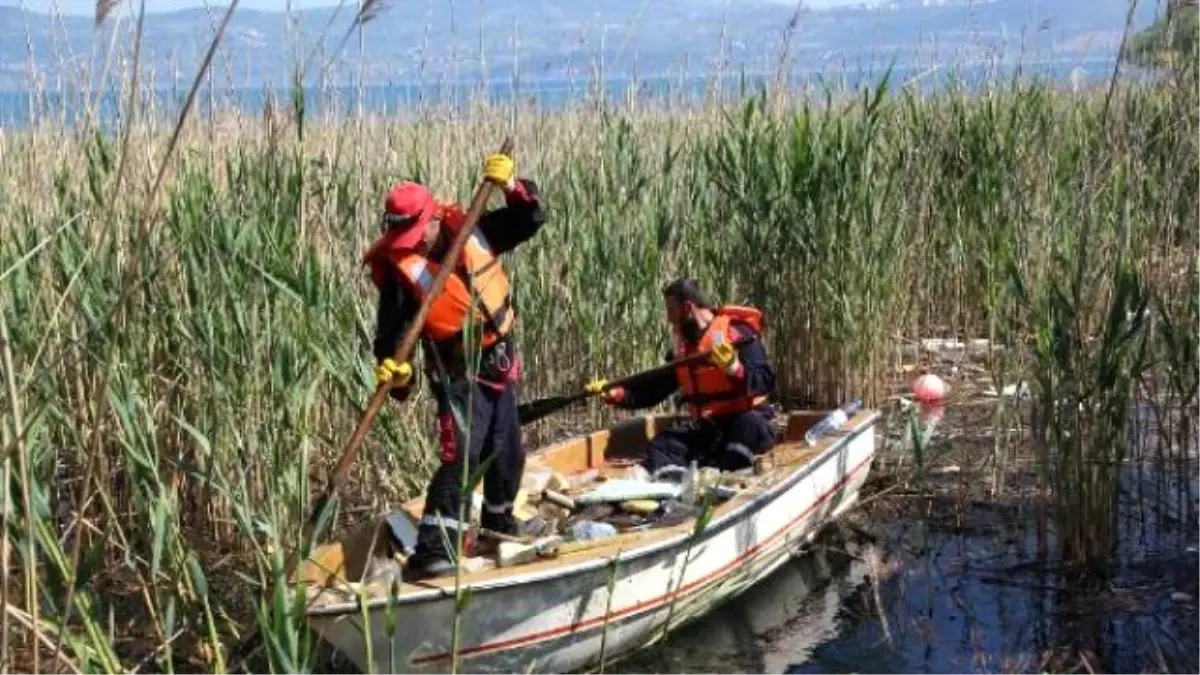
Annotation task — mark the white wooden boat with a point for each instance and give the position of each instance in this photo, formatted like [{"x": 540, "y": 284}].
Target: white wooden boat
[{"x": 558, "y": 614}]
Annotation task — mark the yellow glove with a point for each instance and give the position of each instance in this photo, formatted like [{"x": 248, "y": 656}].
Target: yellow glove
[
  {"x": 499, "y": 169},
  {"x": 613, "y": 396},
  {"x": 596, "y": 386},
  {"x": 724, "y": 356},
  {"x": 390, "y": 372}
]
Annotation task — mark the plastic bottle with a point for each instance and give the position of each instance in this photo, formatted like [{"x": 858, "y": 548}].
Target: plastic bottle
[
  {"x": 591, "y": 529},
  {"x": 691, "y": 485},
  {"x": 831, "y": 422}
]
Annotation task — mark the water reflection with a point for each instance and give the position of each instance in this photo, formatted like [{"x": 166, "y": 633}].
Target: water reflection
[
  {"x": 965, "y": 586},
  {"x": 780, "y": 619}
]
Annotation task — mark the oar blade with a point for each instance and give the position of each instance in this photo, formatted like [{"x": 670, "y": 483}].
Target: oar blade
[{"x": 535, "y": 410}]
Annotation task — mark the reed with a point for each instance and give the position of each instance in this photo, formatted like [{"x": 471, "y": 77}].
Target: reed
[{"x": 1060, "y": 225}]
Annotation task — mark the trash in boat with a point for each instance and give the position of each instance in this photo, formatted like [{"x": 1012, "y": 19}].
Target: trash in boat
[
  {"x": 511, "y": 553},
  {"x": 403, "y": 532},
  {"x": 599, "y": 511},
  {"x": 590, "y": 529},
  {"x": 640, "y": 506},
  {"x": 675, "y": 512},
  {"x": 554, "y": 517},
  {"x": 538, "y": 527},
  {"x": 625, "y": 521},
  {"x": 671, "y": 472},
  {"x": 698, "y": 482},
  {"x": 558, "y": 499},
  {"x": 625, "y": 490},
  {"x": 552, "y": 512},
  {"x": 477, "y": 564},
  {"x": 535, "y": 479},
  {"x": 382, "y": 570},
  {"x": 522, "y": 508},
  {"x": 723, "y": 492},
  {"x": 539, "y": 479}
]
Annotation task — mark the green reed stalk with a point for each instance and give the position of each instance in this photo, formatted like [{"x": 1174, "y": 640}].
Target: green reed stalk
[{"x": 181, "y": 433}]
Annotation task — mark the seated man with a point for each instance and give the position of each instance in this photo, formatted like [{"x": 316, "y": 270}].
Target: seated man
[{"x": 727, "y": 395}]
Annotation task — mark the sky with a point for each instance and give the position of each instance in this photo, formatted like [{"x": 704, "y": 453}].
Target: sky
[{"x": 88, "y": 6}]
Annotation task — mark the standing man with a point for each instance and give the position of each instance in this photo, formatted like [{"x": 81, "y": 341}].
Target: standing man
[
  {"x": 472, "y": 315},
  {"x": 726, "y": 396}
]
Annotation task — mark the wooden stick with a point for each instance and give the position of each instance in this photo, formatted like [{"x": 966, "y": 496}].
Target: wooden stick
[{"x": 559, "y": 499}]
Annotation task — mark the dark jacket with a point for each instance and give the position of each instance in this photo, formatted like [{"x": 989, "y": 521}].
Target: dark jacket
[
  {"x": 758, "y": 376},
  {"x": 505, "y": 228}
]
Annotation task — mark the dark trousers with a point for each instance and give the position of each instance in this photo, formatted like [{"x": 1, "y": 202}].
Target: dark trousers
[
  {"x": 728, "y": 443},
  {"x": 477, "y": 425}
]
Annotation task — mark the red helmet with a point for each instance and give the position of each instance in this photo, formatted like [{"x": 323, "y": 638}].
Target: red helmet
[{"x": 406, "y": 212}]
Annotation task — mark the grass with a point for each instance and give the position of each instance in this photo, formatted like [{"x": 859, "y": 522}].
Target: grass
[{"x": 175, "y": 444}]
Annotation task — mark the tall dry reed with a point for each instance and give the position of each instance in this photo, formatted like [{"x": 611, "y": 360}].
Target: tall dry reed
[{"x": 1061, "y": 226}]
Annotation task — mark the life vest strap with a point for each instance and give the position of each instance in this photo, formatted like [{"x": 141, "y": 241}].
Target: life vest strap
[{"x": 494, "y": 321}]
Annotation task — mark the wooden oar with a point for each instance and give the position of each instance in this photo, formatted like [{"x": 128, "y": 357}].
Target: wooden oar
[{"x": 535, "y": 410}]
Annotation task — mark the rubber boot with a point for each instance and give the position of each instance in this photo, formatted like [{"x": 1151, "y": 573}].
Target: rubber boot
[{"x": 423, "y": 565}]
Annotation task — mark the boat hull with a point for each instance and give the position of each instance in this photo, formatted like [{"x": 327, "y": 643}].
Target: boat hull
[{"x": 568, "y": 619}]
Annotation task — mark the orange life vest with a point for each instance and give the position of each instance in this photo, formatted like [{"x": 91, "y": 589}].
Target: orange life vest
[
  {"x": 479, "y": 267},
  {"x": 706, "y": 388}
]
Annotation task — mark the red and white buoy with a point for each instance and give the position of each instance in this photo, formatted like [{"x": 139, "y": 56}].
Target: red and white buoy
[{"x": 930, "y": 389}]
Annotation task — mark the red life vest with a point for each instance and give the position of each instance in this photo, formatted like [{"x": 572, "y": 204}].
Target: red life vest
[
  {"x": 479, "y": 280},
  {"x": 706, "y": 388}
]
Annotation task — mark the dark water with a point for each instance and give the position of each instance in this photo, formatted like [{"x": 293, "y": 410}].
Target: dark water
[
  {"x": 780, "y": 620},
  {"x": 17, "y": 107},
  {"x": 962, "y": 587}
]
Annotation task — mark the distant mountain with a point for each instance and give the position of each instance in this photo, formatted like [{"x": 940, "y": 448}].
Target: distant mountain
[{"x": 540, "y": 39}]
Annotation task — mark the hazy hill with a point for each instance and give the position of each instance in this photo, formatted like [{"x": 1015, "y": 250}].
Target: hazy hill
[{"x": 556, "y": 38}]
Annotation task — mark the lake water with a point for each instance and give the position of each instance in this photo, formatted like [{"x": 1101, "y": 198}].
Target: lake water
[
  {"x": 551, "y": 93},
  {"x": 962, "y": 589}
]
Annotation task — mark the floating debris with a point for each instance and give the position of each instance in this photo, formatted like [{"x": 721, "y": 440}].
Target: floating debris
[{"x": 1019, "y": 391}]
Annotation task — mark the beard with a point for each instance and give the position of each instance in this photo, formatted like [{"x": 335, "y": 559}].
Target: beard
[{"x": 690, "y": 331}]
